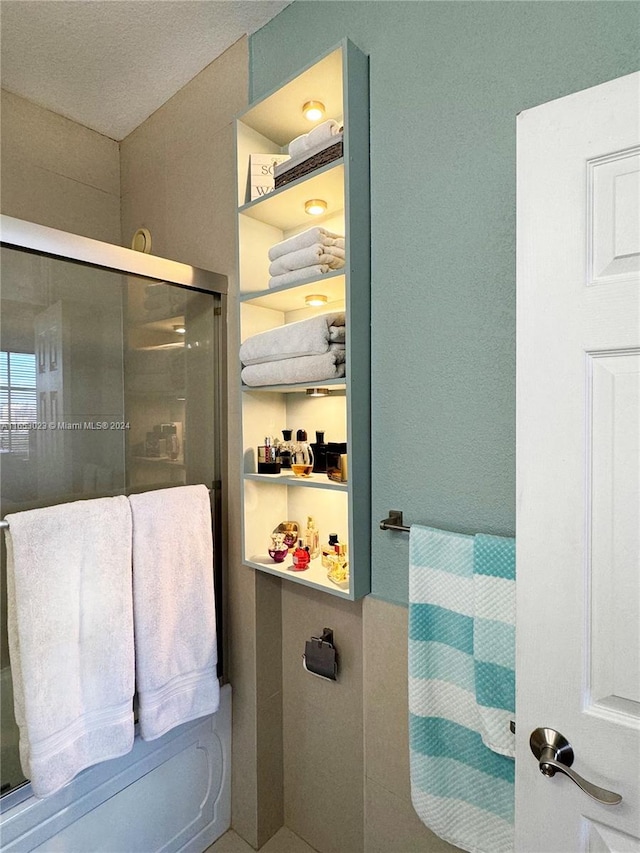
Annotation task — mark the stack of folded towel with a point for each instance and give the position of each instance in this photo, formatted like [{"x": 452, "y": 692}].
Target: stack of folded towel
[
  {"x": 305, "y": 255},
  {"x": 311, "y": 350}
]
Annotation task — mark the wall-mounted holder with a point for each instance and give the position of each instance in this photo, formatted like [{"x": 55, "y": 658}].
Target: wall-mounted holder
[
  {"x": 394, "y": 522},
  {"x": 320, "y": 657}
]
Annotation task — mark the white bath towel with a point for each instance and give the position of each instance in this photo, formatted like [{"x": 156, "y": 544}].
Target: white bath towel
[
  {"x": 332, "y": 256},
  {"x": 319, "y": 134},
  {"x": 306, "y": 368},
  {"x": 306, "y": 337},
  {"x": 317, "y": 234},
  {"x": 299, "y": 276},
  {"x": 70, "y": 627},
  {"x": 174, "y": 608}
]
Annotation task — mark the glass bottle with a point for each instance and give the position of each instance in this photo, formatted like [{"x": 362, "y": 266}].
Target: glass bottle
[
  {"x": 319, "y": 449},
  {"x": 329, "y": 550},
  {"x": 268, "y": 462},
  {"x": 285, "y": 449},
  {"x": 312, "y": 538},
  {"x": 301, "y": 456},
  {"x": 301, "y": 558}
]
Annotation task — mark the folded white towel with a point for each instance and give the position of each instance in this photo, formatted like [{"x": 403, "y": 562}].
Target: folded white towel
[
  {"x": 306, "y": 337},
  {"x": 70, "y": 627},
  {"x": 174, "y": 608},
  {"x": 286, "y": 279},
  {"x": 317, "y": 234},
  {"x": 319, "y": 134},
  {"x": 306, "y": 368},
  {"x": 331, "y": 256}
]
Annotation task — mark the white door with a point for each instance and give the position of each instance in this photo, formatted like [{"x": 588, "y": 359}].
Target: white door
[{"x": 578, "y": 464}]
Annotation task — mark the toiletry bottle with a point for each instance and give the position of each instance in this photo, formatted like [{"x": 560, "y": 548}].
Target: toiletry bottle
[
  {"x": 301, "y": 558},
  {"x": 268, "y": 462},
  {"x": 285, "y": 449},
  {"x": 319, "y": 453},
  {"x": 312, "y": 538},
  {"x": 329, "y": 550},
  {"x": 301, "y": 456}
]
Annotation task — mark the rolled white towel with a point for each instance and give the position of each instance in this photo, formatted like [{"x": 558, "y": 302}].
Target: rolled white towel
[
  {"x": 332, "y": 256},
  {"x": 322, "y": 132},
  {"x": 304, "y": 239},
  {"x": 308, "y": 368},
  {"x": 305, "y": 337},
  {"x": 298, "y": 146}
]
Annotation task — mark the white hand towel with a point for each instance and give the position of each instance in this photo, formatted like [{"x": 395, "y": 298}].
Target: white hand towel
[
  {"x": 317, "y": 234},
  {"x": 322, "y": 132},
  {"x": 70, "y": 627},
  {"x": 298, "y": 146},
  {"x": 298, "y": 276},
  {"x": 306, "y": 368},
  {"x": 306, "y": 337},
  {"x": 331, "y": 256},
  {"x": 174, "y": 608}
]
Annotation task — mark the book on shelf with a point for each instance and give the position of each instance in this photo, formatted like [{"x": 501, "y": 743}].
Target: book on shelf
[{"x": 262, "y": 173}]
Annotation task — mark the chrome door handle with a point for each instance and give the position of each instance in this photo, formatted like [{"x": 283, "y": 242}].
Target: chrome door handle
[{"x": 555, "y": 754}]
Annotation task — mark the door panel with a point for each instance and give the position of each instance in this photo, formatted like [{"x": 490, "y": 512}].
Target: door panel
[{"x": 578, "y": 465}]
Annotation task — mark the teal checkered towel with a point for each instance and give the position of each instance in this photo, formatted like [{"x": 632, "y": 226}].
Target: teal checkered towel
[{"x": 461, "y": 679}]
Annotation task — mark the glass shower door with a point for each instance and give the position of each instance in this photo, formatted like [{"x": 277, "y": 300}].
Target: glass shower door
[{"x": 108, "y": 385}]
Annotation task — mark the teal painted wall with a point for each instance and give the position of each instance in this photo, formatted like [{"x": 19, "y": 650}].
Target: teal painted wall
[{"x": 447, "y": 80}]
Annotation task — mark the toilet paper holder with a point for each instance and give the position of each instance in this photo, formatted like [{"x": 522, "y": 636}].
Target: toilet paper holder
[{"x": 320, "y": 657}]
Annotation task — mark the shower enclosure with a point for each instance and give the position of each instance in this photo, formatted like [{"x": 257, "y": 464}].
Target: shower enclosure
[{"x": 112, "y": 366}]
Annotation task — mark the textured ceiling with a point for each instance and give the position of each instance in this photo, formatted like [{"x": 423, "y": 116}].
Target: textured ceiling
[{"x": 108, "y": 64}]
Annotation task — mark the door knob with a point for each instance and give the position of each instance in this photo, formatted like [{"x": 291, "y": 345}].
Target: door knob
[{"x": 555, "y": 754}]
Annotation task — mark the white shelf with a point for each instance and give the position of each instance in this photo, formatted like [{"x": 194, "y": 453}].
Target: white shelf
[
  {"x": 315, "y": 576},
  {"x": 314, "y": 481},
  {"x": 284, "y": 208},
  {"x": 291, "y": 297}
]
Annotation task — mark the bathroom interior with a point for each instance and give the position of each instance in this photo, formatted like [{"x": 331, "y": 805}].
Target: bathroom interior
[{"x": 291, "y": 763}]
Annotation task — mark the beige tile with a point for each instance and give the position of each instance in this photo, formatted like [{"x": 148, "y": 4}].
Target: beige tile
[
  {"x": 386, "y": 703},
  {"x": 230, "y": 842},
  {"x": 270, "y": 767},
  {"x": 323, "y": 740},
  {"x": 50, "y": 141},
  {"x": 285, "y": 841},
  {"x": 38, "y": 195},
  {"x": 392, "y": 825}
]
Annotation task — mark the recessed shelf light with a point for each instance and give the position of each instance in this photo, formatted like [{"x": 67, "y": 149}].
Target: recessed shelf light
[
  {"x": 179, "y": 329},
  {"x": 315, "y": 206},
  {"x": 318, "y": 392},
  {"x": 313, "y": 110},
  {"x": 315, "y": 299}
]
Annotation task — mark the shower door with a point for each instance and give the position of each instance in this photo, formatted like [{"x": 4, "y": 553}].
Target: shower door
[{"x": 109, "y": 384}]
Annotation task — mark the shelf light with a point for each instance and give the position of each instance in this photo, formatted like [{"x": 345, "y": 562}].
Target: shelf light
[
  {"x": 315, "y": 299},
  {"x": 315, "y": 206},
  {"x": 313, "y": 110},
  {"x": 318, "y": 392},
  {"x": 179, "y": 329}
]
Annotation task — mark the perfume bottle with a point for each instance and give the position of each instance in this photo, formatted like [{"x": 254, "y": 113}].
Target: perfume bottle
[
  {"x": 319, "y": 449},
  {"x": 301, "y": 558},
  {"x": 312, "y": 538},
  {"x": 285, "y": 449},
  {"x": 301, "y": 456},
  {"x": 329, "y": 550},
  {"x": 338, "y": 571}
]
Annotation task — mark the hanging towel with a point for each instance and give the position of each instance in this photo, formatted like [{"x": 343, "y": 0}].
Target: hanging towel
[
  {"x": 70, "y": 627},
  {"x": 494, "y": 636},
  {"x": 317, "y": 234},
  {"x": 305, "y": 337},
  {"x": 463, "y": 791},
  {"x": 174, "y": 609},
  {"x": 305, "y": 368}
]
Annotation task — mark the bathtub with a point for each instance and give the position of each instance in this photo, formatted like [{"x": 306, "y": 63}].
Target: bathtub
[{"x": 171, "y": 794}]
